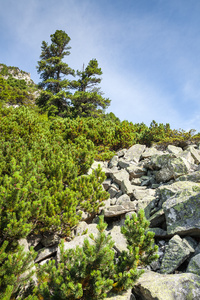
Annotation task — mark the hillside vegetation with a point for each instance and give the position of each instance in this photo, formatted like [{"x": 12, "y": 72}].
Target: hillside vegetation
[{"x": 47, "y": 145}]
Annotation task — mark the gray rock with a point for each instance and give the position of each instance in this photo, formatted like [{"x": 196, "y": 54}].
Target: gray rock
[
  {"x": 117, "y": 210},
  {"x": 150, "y": 152},
  {"x": 114, "y": 210},
  {"x": 194, "y": 265},
  {"x": 113, "y": 162},
  {"x": 122, "y": 296},
  {"x": 23, "y": 242},
  {"x": 194, "y": 177},
  {"x": 121, "y": 153},
  {"x": 188, "y": 156},
  {"x": 146, "y": 204},
  {"x": 118, "y": 238},
  {"x": 157, "y": 219},
  {"x": 173, "y": 168},
  {"x": 134, "y": 153},
  {"x": 80, "y": 228},
  {"x": 123, "y": 199},
  {"x": 153, "y": 286},
  {"x": 46, "y": 253},
  {"x": 126, "y": 187},
  {"x": 103, "y": 165},
  {"x": 107, "y": 183},
  {"x": 165, "y": 192},
  {"x": 34, "y": 239},
  {"x": 119, "y": 176},
  {"x": 157, "y": 162},
  {"x": 136, "y": 181},
  {"x": 195, "y": 154},
  {"x": 175, "y": 150},
  {"x": 177, "y": 251},
  {"x": 182, "y": 213},
  {"x": 124, "y": 164},
  {"x": 136, "y": 171},
  {"x": 113, "y": 191},
  {"x": 140, "y": 193}
]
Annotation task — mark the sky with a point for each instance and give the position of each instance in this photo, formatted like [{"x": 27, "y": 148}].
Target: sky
[{"x": 148, "y": 50}]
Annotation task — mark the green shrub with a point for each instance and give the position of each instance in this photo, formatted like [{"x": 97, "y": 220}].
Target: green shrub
[
  {"x": 39, "y": 188},
  {"x": 94, "y": 271}
]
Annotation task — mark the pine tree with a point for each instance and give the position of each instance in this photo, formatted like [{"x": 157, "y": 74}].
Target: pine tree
[
  {"x": 16, "y": 270},
  {"x": 88, "y": 100},
  {"x": 55, "y": 97},
  {"x": 94, "y": 271}
]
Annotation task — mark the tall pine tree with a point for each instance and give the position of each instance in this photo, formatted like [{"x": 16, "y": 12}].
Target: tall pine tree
[
  {"x": 55, "y": 96},
  {"x": 88, "y": 100}
]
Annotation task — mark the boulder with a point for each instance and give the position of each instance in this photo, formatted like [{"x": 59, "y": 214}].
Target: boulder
[
  {"x": 136, "y": 171},
  {"x": 107, "y": 183},
  {"x": 177, "y": 251},
  {"x": 175, "y": 150},
  {"x": 194, "y": 265},
  {"x": 126, "y": 187},
  {"x": 118, "y": 238},
  {"x": 165, "y": 192},
  {"x": 174, "y": 168},
  {"x": 113, "y": 162},
  {"x": 149, "y": 152},
  {"x": 123, "y": 163},
  {"x": 182, "y": 213},
  {"x": 195, "y": 154},
  {"x": 117, "y": 210},
  {"x": 122, "y": 200},
  {"x": 140, "y": 193},
  {"x": 113, "y": 190},
  {"x": 188, "y": 156},
  {"x": 151, "y": 286},
  {"x": 119, "y": 176},
  {"x": 157, "y": 219},
  {"x": 46, "y": 253},
  {"x": 134, "y": 153}
]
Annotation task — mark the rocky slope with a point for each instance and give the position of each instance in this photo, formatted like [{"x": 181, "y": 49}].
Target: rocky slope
[{"x": 166, "y": 184}]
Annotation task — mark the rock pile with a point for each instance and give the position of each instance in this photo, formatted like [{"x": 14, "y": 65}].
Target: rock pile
[{"x": 166, "y": 184}]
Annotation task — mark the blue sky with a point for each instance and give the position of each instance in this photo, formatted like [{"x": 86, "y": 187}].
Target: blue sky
[{"x": 149, "y": 51}]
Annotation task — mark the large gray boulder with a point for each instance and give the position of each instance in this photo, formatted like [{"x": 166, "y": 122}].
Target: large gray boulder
[
  {"x": 119, "y": 176},
  {"x": 174, "y": 168},
  {"x": 150, "y": 152},
  {"x": 134, "y": 153},
  {"x": 168, "y": 166},
  {"x": 177, "y": 251},
  {"x": 175, "y": 150},
  {"x": 165, "y": 192},
  {"x": 182, "y": 213},
  {"x": 154, "y": 286}
]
